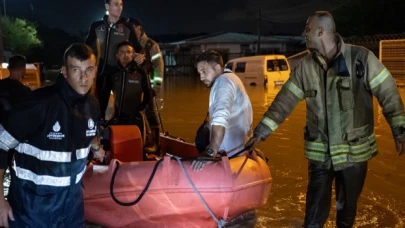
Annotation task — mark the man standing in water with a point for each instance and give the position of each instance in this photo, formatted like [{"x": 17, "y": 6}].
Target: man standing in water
[
  {"x": 338, "y": 82},
  {"x": 103, "y": 37}
]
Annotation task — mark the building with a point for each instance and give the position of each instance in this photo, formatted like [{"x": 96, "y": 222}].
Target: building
[{"x": 179, "y": 56}]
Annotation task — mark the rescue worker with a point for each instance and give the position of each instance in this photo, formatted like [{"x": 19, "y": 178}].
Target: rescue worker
[
  {"x": 103, "y": 36},
  {"x": 52, "y": 131},
  {"x": 131, "y": 88},
  {"x": 337, "y": 81},
  {"x": 155, "y": 69},
  {"x": 230, "y": 111},
  {"x": 12, "y": 89}
]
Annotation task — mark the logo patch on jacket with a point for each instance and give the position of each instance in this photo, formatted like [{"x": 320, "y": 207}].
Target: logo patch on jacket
[
  {"x": 92, "y": 129},
  {"x": 55, "y": 134},
  {"x": 133, "y": 78}
]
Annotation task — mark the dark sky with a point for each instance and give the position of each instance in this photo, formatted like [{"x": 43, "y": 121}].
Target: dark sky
[{"x": 176, "y": 16}]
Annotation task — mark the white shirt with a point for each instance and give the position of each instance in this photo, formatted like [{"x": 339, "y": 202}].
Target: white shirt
[{"x": 230, "y": 107}]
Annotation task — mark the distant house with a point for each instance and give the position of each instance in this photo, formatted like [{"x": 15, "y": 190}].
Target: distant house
[{"x": 180, "y": 55}]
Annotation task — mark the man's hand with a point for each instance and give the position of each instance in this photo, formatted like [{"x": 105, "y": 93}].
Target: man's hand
[
  {"x": 99, "y": 155},
  {"x": 199, "y": 165},
  {"x": 400, "y": 144},
  {"x": 252, "y": 142},
  {"x": 5, "y": 213},
  {"x": 139, "y": 59}
]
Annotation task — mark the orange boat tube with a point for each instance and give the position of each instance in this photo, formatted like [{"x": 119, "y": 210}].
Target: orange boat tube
[{"x": 175, "y": 195}]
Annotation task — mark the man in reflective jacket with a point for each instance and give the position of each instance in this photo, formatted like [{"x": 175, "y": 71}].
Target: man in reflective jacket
[
  {"x": 52, "y": 131},
  {"x": 338, "y": 82}
]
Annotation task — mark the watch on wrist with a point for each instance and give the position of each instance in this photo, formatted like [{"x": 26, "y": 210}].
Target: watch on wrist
[{"x": 210, "y": 152}]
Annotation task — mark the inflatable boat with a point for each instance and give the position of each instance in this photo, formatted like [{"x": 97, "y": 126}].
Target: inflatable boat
[{"x": 166, "y": 192}]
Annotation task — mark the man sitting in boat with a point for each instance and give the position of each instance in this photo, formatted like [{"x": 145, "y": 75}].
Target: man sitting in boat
[
  {"x": 131, "y": 89},
  {"x": 230, "y": 110}
]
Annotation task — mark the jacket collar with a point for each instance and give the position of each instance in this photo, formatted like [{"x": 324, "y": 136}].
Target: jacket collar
[{"x": 67, "y": 92}]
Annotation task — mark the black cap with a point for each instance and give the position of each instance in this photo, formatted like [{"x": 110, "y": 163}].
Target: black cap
[{"x": 135, "y": 21}]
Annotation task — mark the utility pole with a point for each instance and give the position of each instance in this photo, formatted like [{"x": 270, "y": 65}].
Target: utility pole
[
  {"x": 1, "y": 35},
  {"x": 258, "y": 29}
]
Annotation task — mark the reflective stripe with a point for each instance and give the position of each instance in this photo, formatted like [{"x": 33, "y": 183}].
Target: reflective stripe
[
  {"x": 53, "y": 156},
  {"x": 157, "y": 79},
  {"x": 80, "y": 175},
  {"x": 397, "y": 121},
  {"x": 380, "y": 78},
  {"x": 295, "y": 90},
  {"x": 269, "y": 123},
  {"x": 41, "y": 179},
  {"x": 155, "y": 56},
  {"x": 316, "y": 146},
  {"x": 82, "y": 153},
  {"x": 6, "y": 139}
]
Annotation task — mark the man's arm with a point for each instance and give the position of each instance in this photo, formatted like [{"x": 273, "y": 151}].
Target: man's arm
[
  {"x": 5, "y": 209},
  {"x": 146, "y": 91},
  {"x": 381, "y": 83},
  {"x": 91, "y": 36},
  {"x": 158, "y": 65},
  {"x": 217, "y": 136}
]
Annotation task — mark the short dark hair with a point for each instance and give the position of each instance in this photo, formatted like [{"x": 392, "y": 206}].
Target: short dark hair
[
  {"x": 210, "y": 57},
  {"x": 124, "y": 43},
  {"x": 78, "y": 51},
  {"x": 17, "y": 62},
  {"x": 107, "y": 1},
  {"x": 326, "y": 19}
]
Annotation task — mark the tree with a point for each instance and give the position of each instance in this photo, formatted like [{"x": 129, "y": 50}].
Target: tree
[
  {"x": 1, "y": 47},
  {"x": 19, "y": 35}
]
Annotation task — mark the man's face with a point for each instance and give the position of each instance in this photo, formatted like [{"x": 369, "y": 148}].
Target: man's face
[
  {"x": 311, "y": 34},
  {"x": 138, "y": 30},
  {"x": 80, "y": 74},
  {"x": 125, "y": 55},
  {"x": 208, "y": 72},
  {"x": 114, "y": 8}
]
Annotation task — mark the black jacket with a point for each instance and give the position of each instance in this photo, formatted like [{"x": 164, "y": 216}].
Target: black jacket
[
  {"x": 104, "y": 38},
  {"x": 132, "y": 85},
  {"x": 51, "y": 131}
]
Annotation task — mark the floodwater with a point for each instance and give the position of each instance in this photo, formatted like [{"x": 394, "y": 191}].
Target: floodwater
[{"x": 381, "y": 204}]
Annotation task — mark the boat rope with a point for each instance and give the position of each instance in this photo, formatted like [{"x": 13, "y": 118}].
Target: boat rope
[
  {"x": 143, "y": 191},
  {"x": 220, "y": 222}
]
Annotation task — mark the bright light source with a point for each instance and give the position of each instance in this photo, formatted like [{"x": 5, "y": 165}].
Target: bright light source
[
  {"x": 106, "y": 12},
  {"x": 4, "y": 65}
]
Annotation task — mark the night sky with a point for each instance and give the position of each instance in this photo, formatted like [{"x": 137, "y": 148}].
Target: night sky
[{"x": 175, "y": 16}]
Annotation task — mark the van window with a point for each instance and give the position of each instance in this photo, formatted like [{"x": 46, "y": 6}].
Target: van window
[
  {"x": 229, "y": 66},
  {"x": 277, "y": 65},
  {"x": 240, "y": 67}
]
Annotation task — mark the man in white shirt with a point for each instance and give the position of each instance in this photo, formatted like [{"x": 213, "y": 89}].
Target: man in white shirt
[{"x": 230, "y": 110}]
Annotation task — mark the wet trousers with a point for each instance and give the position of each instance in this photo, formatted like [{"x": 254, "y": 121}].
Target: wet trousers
[{"x": 349, "y": 184}]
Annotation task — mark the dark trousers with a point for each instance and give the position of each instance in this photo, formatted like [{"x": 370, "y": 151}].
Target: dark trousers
[
  {"x": 349, "y": 184},
  {"x": 103, "y": 91}
]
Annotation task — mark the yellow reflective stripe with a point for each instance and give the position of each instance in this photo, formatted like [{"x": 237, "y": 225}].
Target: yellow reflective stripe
[
  {"x": 380, "y": 78},
  {"x": 269, "y": 123},
  {"x": 295, "y": 90},
  {"x": 315, "y": 155},
  {"x": 345, "y": 148},
  {"x": 339, "y": 159},
  {"x": 316, "y": 146},
  {"x": 397, "y": 121}
]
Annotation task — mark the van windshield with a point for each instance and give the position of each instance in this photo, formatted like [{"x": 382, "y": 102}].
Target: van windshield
[{"x": 276, "y": 65}]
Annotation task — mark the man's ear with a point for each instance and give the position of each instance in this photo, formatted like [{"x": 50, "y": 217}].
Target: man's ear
[
  {"x": 64, "y": 71},
  {"x": 320, "y": 31},
  {"x": 218, "y": 67}
]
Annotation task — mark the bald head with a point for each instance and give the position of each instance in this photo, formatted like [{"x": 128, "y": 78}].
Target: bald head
[{"x": 325, "y": 20}]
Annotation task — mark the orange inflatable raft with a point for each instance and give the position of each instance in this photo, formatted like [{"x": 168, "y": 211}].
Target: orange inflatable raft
[{"x": 168, "y": 193}]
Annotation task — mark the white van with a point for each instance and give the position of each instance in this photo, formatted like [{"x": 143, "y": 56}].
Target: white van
[{"x": 260, "y": 70}]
